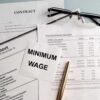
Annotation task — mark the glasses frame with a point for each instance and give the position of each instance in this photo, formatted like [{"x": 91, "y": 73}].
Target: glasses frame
[{"x": 70, "y": 13}]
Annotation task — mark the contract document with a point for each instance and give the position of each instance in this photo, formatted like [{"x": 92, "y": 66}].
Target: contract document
[{"x": 30, "y": 12}]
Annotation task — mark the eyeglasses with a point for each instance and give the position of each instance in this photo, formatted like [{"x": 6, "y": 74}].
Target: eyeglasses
[{"x": 68, "y": 13}]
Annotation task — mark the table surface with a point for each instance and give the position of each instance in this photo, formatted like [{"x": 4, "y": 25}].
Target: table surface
[{"x": 92, "y": 6}]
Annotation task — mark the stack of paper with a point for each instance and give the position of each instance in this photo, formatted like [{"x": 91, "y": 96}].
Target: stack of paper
[
  {"x": 32, "y": 70},
  {"x": 17, "y": 27}
]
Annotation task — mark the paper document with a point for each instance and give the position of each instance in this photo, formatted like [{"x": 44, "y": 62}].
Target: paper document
[
  {"x": 12, "y": 84},
  {"x": 81, "y": 48},
  {"x": 30, "y": 12},
  {"x": 40, "y": 61}
]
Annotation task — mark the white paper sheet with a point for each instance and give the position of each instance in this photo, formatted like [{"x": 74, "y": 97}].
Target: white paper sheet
[
  {"x": 40, "y": 61},
  {"x": 80, "y": 45},
  {"x": 31, "y": 12},
  {"x": 14, "y": 15},
  {"x": 12, "y": 84}
]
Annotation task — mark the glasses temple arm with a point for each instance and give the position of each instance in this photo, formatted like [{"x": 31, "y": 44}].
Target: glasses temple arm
[{"x": 96, "y": 22}]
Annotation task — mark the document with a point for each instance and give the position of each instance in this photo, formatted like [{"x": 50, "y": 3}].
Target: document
[
  {"x": 81, "y": 48},
  {"x": 12, "y": 84},
  {"x": 40, "y": 61},
  {"x": 14, "y": 15},
  {"x": 30, "y": 12}
]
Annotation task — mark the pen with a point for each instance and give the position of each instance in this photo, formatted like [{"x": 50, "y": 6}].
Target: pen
[{"x": 63, "y": 83}]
